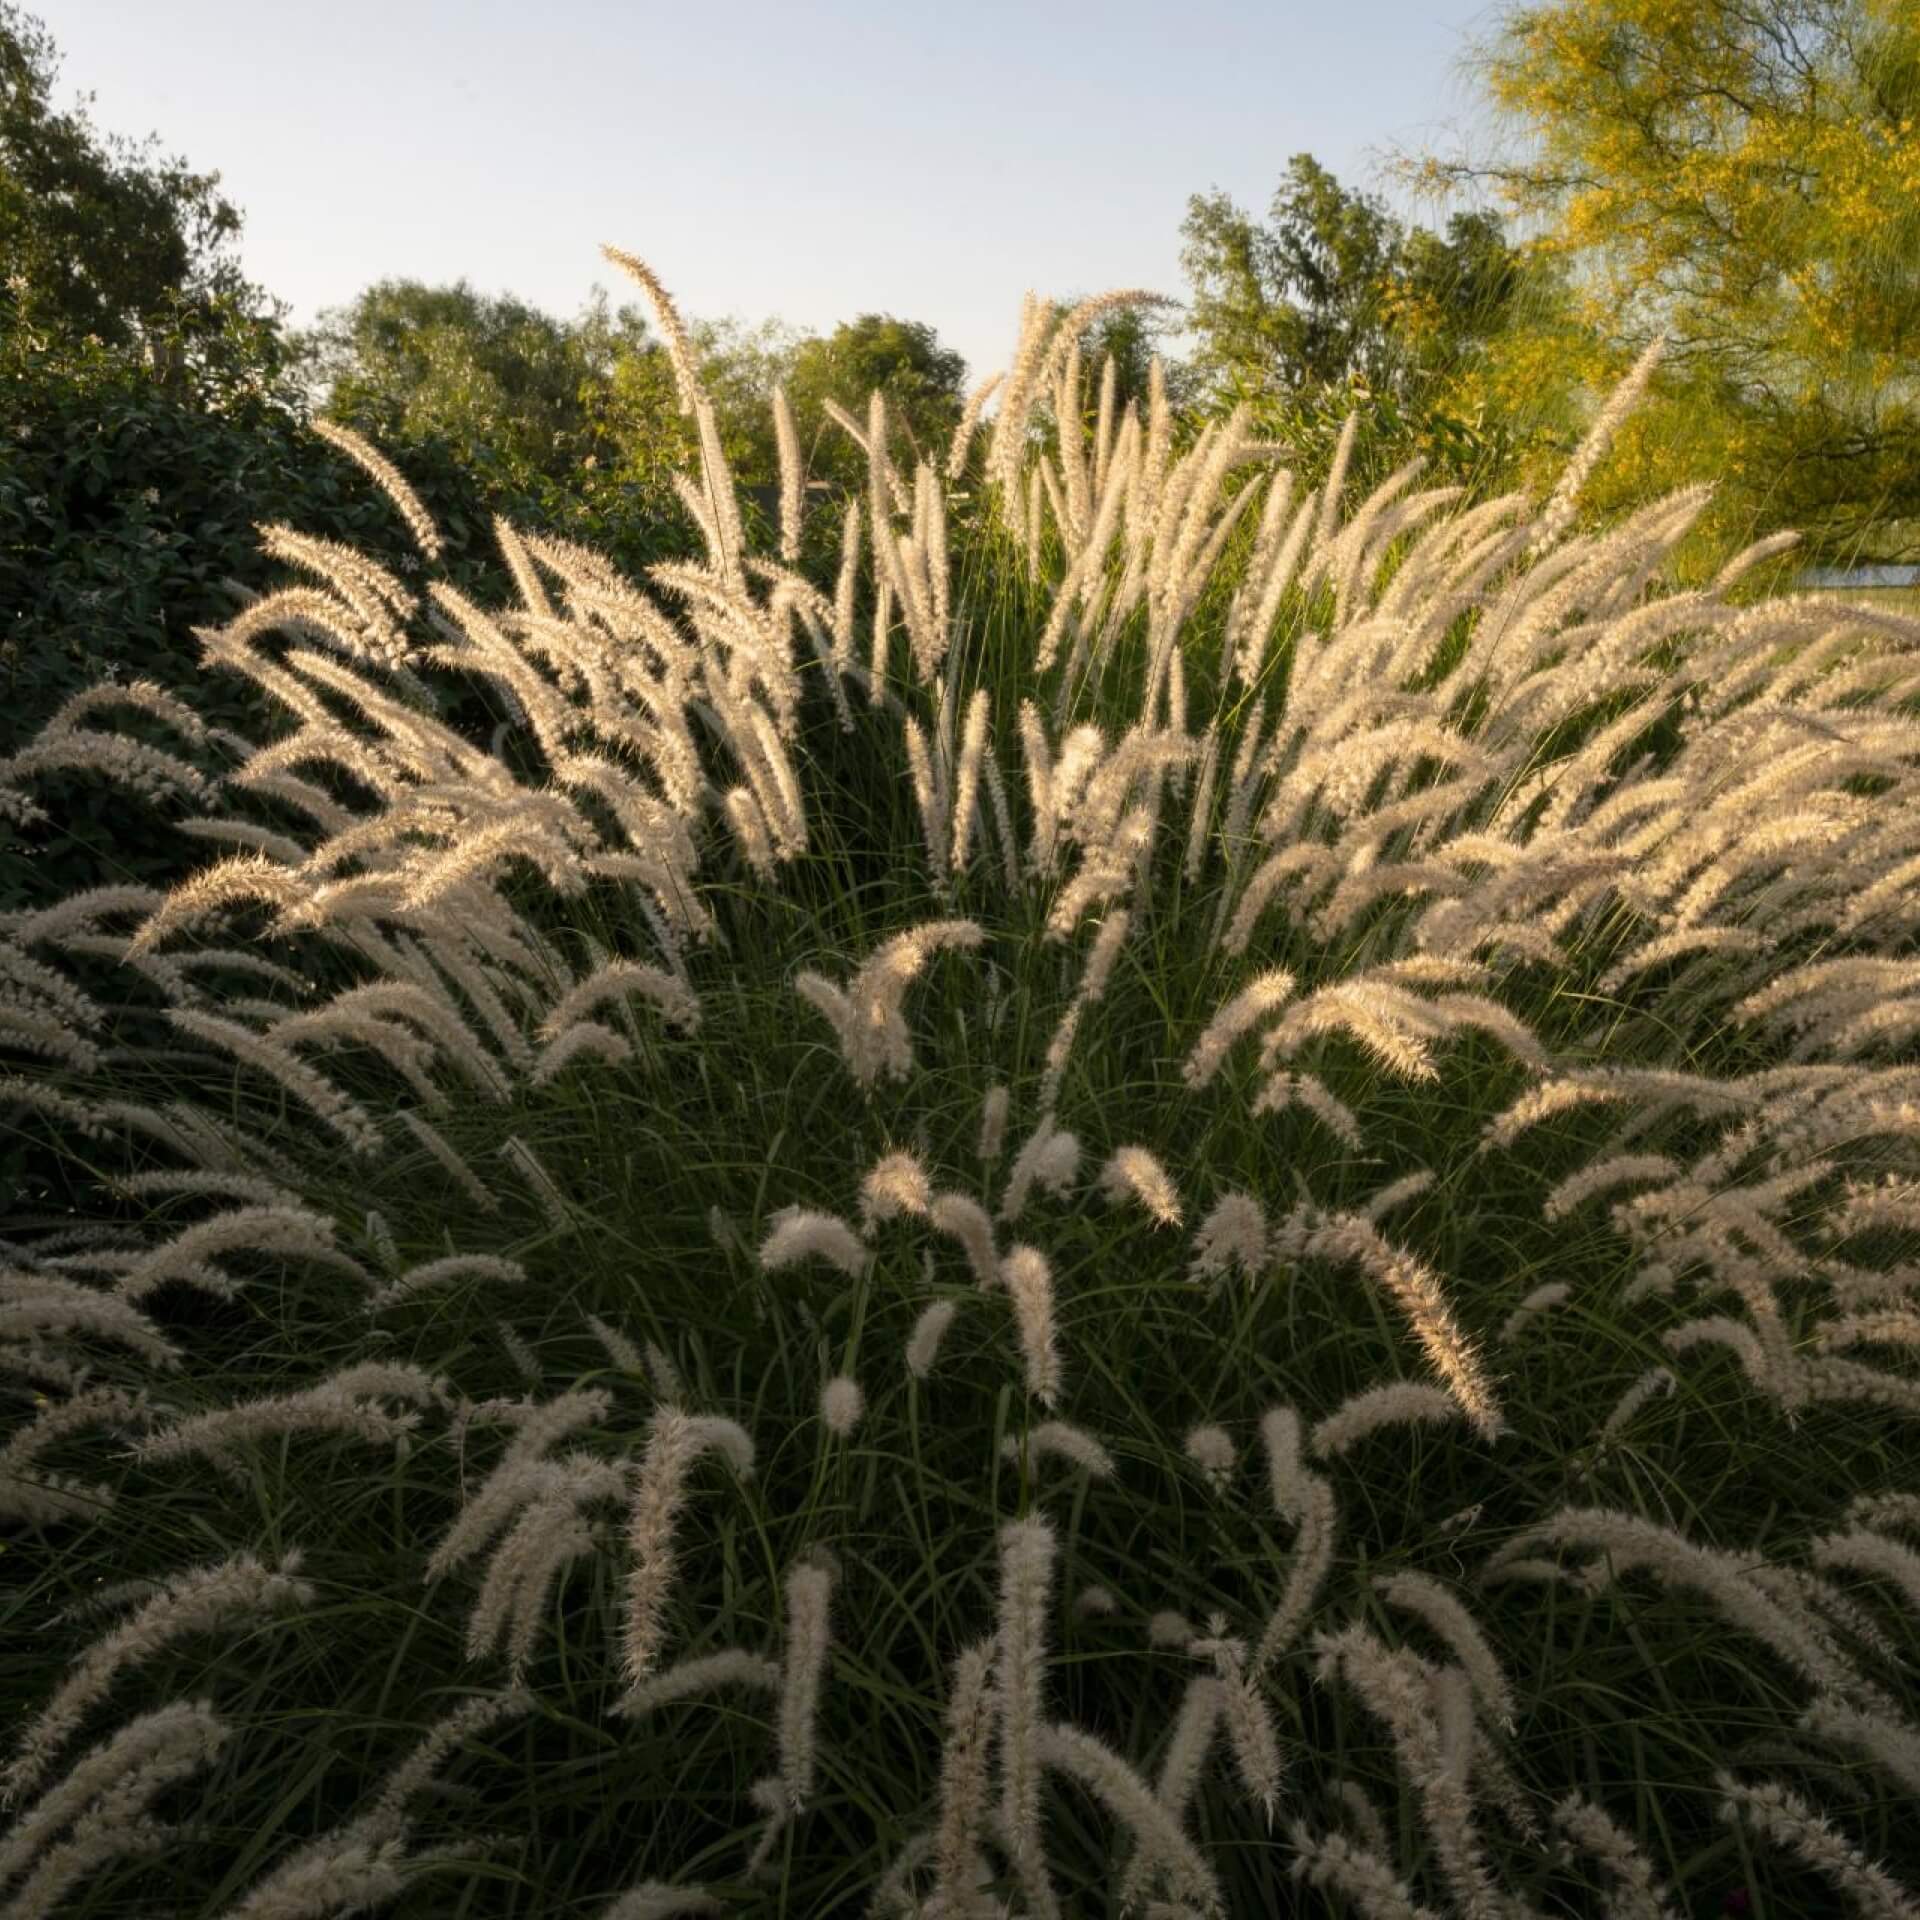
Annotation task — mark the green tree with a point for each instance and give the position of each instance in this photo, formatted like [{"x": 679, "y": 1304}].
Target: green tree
[
  {"x": 496, "y": 407},
  {"x": 1299, "y": 301},
  {"x": 100, "y": 235},
  {"x": 740, "y": 366},
  {"x": 923, "y": 381},
  {"x": 1332, "y": 302},
  {"x": 499, "y": 382},
  {"x": 1134, "y": 337},
  {"x": 1334, "y": 290},
  {"x": 548, "y": 418}
]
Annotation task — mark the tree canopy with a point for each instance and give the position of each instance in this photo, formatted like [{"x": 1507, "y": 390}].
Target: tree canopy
[
  {"x": 1744, "y": 177},
  {"x": 497, "y": 379},
  {"x": 101, "y": 235},
  {"x": 903, "y": 359},
  {"x": 543, "y": 405},
  {"x": 1333, "y": 302},
  {"x": 1334, "y": 289}
]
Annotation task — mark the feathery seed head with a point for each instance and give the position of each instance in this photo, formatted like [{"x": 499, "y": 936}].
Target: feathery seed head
[{"x": 841, "y": 1405}]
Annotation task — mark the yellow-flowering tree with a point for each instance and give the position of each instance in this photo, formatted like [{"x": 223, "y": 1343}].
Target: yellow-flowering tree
[{"x": 1744, "y": 176}]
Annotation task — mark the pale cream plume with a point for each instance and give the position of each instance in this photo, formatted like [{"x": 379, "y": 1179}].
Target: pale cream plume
[
  {"x": 1028, "y": 1280},
  {"x": 1133, "y": 1173},
  {"x": 928, "y": 1331},
  {"x": 964, "y": 1783},
  {"x": 803, "y": 1233},
  {"x": 842, "y": 1404},
  {"x": 1306, "y": 1499},
  {"x": 707, "y": 1673},
  {"x": 674, "y": 1443},
  {"x": 894, "y": 1186},
  {"x": 1791, "y": 1822},
  {"x": 804, "y": 1671},
  {"x": 1027, "y": 1552},
  {"x": 387, "y": 477}
]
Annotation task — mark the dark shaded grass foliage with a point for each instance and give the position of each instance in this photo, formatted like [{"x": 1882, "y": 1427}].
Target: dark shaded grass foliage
[{"x": 671, "y": 1170}]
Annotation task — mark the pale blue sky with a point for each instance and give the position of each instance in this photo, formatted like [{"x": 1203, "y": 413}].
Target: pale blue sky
[{"x": 810, "y": 160}]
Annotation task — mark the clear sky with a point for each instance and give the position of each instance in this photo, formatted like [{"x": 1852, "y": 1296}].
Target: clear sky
[{"x": 806, "y": 159}]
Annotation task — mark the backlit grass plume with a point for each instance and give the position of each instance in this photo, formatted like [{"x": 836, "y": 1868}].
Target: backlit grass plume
[{"x": 771, "y": 1184}]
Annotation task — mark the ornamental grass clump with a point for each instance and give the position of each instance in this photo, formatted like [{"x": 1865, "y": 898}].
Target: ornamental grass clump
[{"x": 771, "y": 1184}]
